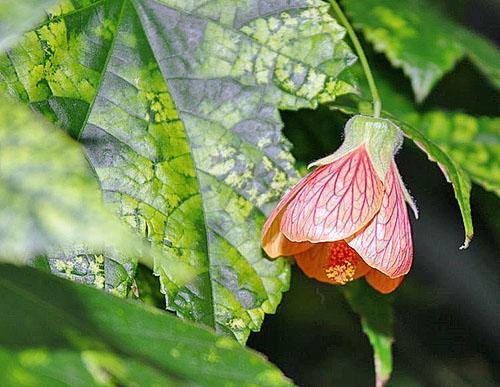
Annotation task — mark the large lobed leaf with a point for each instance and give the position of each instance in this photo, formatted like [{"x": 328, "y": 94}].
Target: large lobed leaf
[
  {"x": 48, "y": 196},
  {"x": 57, "y": 333},
  {"x": 176, "y": 104},
  {"x": 417, "y": 37}
]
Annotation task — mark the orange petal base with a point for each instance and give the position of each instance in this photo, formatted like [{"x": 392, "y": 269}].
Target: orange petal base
[{"x": 337, "y": 263}]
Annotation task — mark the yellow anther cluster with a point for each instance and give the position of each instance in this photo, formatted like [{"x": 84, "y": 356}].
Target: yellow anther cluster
[
  {"x": 342, "y": 273},
  {"x": 342, "y": 262}
]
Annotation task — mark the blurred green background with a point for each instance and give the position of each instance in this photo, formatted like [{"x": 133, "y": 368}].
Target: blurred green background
[{"x": 447, "y": 311}]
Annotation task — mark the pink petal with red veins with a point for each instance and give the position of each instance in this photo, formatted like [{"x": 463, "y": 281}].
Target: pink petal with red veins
[
  {"x": 274, "y": 243},
  {"x": 340, "y": 199},
  {"x": 386, "y": 244},
  {"x": 383, "y": 283}
]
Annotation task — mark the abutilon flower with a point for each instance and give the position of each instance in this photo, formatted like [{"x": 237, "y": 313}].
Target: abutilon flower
[{"x": 348, "y": 218}]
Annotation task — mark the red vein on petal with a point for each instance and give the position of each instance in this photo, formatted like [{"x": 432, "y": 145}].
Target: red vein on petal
[
  {"x": 338, "y": 202},
  {"x": 385, "y": 244}
]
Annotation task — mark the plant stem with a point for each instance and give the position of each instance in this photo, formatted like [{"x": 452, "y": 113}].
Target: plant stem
[{"x": 377, "y": 103}]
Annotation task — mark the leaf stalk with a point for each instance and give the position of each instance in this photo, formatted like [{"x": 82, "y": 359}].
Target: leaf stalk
[{"x": 377, "y": 103}]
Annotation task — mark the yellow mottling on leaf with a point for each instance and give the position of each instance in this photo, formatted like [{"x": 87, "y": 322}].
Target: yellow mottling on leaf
[
  {"x": 288, "y": 20},
  {"x": 395, "y": 22},
  {"x": 268, "y": 164},
  {"x": 212, "y": 356},
  {"x": 226, "y": 343},
  {"x": 100, "y": 282},
  {"x": 94, "y": 268},
  {"x": 263, "y": 142},
  {"x": 466, "y": 128},
  {"x": 106, "y": 29},
  {"x": 223, "y": 167},
  {"x": 69, "y": 267},
  {"x": 273, "y": 23},
  {"x": 298, "y": 69},
  {"x": 279, "y": 181},
  {"x": 236, "y": 324},
  {"x": 174, "y": 352},
  {"x": 60, "y": 265},
  {"x": 33, "y": 357}
]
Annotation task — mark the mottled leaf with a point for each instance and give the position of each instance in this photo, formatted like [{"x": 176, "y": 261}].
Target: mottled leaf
[
  {"x": 377, "y": 322},
  {"x": 425, "y": 43},
  {"x": 176, "y": 104},
  {"x": 55, "y": 332},
  {"x": 17, "y": 17},
  {"x": 48, "y": 195},
  {"x": 472, "y": 142},
  {"x": 99, "y": 270}
]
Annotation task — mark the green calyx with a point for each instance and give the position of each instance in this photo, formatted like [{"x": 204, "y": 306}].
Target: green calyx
[{"x": 381, "y": 137}]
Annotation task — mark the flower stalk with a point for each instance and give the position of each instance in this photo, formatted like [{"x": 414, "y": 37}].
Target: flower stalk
[{"x": 377, "y": 103}]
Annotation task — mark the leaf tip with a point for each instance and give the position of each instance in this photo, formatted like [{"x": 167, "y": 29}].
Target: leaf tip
[{"x": 467, "y": 241}]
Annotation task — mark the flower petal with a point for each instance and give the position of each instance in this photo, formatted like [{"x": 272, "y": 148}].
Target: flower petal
[
  {"x": 274, "y": 243},
  {"x": 316, "y": 261},
  {"x": 385, "y": 244},
  {"x": 383, "y": 283},
  {"x": 339, "y": 200}
]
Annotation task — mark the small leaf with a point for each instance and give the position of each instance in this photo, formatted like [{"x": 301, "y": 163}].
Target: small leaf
[
  {"x": 177, "y": 107},
  {"x": 417, "y": 37},
  {"x": 57, "y": 332},
  {"x": 377, "y": 318},
  {"x": 453, "y": 173},
  {"x": 48, "y": 196}
]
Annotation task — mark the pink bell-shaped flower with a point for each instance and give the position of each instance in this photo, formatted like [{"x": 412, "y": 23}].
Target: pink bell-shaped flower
[{"x": 348, "y": 218}]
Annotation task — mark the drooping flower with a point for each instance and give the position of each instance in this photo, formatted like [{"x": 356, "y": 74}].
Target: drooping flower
[{"x": 348, "y": 218}]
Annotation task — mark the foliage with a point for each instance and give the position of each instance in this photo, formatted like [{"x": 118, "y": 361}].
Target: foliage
[
  {"x": 417, "y": 37},
  {"x": 17, "y": 17},
  {"x": 54, "y": 332},
  {"x": 377, "y": 322},
  {"x": 48, "y": 195},
  {"x": 472, "y": 142},
  {"x": 183, "y": 132}
]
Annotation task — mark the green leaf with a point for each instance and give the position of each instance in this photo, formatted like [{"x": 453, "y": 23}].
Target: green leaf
[
  {"x": 17, "y": 17},
  {"x": 77, "y": 264},
  {"x": 453, "y": 173},
  {"x": 472, "y": 142},
  {"x": 176, "y": 105},
  {"x": 484, "y": 54},
  {"x": 417, "y": 37},
  {"x": 48, "y": 196},
  {"x": 55, "y": 332},
  {"x": 377, "y": 321}
]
